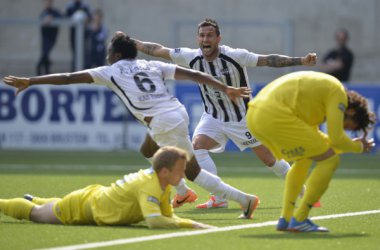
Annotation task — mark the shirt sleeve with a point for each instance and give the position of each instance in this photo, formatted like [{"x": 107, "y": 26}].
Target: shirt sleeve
[
  {"x": 166, "y": 206},
  {"x": 168, "y": 69},
  {"x": 168, "y": 222},
  {"x": 246, "y": 58},
  {"x": 101, "y": 75},
  {"x": 159, "y": 213},
  {"x": 182, "y": 56},
  {"x": 335, "y": 118},
  {"x": 149, "y": 204}
]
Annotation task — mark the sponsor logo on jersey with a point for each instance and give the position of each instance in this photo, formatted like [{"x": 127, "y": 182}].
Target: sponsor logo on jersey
[
  {"x": 154, "y": 200},
  {"x": 177, "y": 50},
  {"x": 250, "y": 142},
  {"x": 294, "y": 152},
  {"x": 342, "y": 107},
  {"x": 224, "y": 71}
]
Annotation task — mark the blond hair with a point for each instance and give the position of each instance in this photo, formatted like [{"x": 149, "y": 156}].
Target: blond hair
[{"x": 166, "y": 157}]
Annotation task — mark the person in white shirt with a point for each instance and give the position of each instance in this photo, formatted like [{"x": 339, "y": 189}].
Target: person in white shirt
[
  {"x": 222, "y": 118},
  {"x": 140, "y": 85}
]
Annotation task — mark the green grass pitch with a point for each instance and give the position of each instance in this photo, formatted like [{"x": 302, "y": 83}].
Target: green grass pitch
[{"x": 354, "y": 188}]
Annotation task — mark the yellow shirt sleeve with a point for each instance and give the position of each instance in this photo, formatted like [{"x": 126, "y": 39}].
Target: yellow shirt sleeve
[
  {"x": 168, "y": 222},
  {"x": 165, "y": 205},
  {"x": 159, "y": 213},
  {"x": 336, "y": 105}
]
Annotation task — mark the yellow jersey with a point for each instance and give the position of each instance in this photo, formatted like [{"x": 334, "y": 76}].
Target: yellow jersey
[
  {"x": 135, "y": 197},
  {"x": 313, "y": 97}
]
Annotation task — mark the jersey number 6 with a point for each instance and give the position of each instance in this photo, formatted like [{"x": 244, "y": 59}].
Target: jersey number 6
[{"x": 141, "y": 78}]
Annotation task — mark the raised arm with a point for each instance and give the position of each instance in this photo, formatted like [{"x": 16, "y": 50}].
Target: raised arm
[
  {"x": 153, "y": 49},
  {"x": 284, "y": 61},
  {"x": 21, "y": 83},
  {"x": 202, "y": 78}
]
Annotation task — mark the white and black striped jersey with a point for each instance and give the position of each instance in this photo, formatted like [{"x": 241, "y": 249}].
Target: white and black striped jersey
[
  {"x": 230, "y": 68},
  {"x": 140, "y": 84}
]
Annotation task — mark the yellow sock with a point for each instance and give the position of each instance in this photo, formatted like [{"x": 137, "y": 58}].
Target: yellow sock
[
  {"x": 42, "y": 201},
  {"x": 18, "y": 208},
  {"x": 295, "y": 178},
  {"x": 316, "y": 185}
]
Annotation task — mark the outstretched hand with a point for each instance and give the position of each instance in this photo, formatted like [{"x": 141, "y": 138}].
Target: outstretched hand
[
  {"x": 368, "y": 144},
  {"x": 234, "y": 93},
  {"x": 20, "y": 83},
  {"x": 309, "y": 60},
  {"x": 199, "y": 225}
]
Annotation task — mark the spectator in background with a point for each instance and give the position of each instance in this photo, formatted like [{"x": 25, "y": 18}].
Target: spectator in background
[
  {"x": 97, "y": 37},
  {"x": 338, "y": 61},
  {"x": 49, "y": 34},
  {"x": 71, "y": 9}
]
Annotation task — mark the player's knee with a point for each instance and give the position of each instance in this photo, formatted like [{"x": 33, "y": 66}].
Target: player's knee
[
  {"x": 203, "y": 142},
  {"x": 270, "y": 161},
  {"x": 197, "y": 145},
  {"x": 144, "y": 150},
  {"x": 148, "y": 148}
]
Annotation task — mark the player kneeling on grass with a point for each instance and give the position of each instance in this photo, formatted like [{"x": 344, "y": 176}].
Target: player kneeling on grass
[
  {"x": 289, "y": 111},
  {"x": 144, "y": 195}
]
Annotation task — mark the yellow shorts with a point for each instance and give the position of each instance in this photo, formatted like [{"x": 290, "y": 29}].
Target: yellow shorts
[
  {"x": 75, "y": 208},
  {"x": 287, "y": 136}
]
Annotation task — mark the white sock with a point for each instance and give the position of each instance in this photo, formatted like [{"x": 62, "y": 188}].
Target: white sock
[
  {"x": 280, "y": 168},
  {"x": 215, "y": 185},
  {"x": 205, "y": 161},
  {"x": 182, "y": 188}
]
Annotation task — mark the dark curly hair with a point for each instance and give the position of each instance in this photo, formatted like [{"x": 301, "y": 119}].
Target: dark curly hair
[
  {"x": 363, "y": 117},
  {"x": 123, "y": 44},
  {"x": 210, "y": 22}
]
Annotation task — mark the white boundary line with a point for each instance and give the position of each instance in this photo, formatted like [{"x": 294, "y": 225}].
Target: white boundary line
[{"x": 197, "y": 232}]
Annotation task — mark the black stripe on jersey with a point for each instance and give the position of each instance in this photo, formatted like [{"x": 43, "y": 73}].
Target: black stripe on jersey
[
  {"x": 226, "y": 73},
  {"x": 206, "y": 96},
  {"x": 125, "y": 95},
  {"x": 129, "y": 111},
  {"x": 221, "y": 103},
  {"x": 243, "y": 82},
  {"x": 191, "y": 64}
]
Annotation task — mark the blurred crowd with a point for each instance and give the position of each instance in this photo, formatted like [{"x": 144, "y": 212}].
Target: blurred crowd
[{"x": 95, "y": 34}]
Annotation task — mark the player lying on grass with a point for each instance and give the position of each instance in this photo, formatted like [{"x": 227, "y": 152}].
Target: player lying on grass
[
  {"x": 290, "y": 109},
  {"x": 140, "y": 84},
  {"x": 144, "y": 195}
]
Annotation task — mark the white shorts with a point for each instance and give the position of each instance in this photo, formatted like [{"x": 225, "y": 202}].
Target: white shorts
[
  {"x": 222, "y": 131},
  {"x": 172, "y": 129}
]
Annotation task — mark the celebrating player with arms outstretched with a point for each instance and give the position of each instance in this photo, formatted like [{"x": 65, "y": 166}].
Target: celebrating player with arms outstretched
[
  {"x": 223, "y": 119},
  {"x": 140, "y": 85}
]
